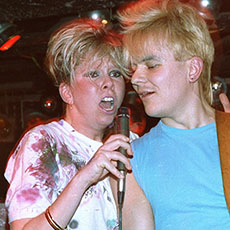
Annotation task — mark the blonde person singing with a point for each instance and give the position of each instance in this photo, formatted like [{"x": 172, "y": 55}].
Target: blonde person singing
[{"x": 58, "y": 174}]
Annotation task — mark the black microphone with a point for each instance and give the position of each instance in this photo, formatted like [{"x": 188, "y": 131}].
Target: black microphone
[{"x": 122, "y": 122}]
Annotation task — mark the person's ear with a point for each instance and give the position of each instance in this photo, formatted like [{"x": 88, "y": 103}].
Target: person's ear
[
  {"x": 65, "y": 93},
  {"x": 195, "y": 69}
]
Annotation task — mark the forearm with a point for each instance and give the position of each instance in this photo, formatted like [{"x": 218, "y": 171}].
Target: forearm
[{"x": 62, "y": 209}]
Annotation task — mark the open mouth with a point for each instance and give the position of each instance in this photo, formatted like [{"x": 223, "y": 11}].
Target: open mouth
[{"x": 107, "y": 103}]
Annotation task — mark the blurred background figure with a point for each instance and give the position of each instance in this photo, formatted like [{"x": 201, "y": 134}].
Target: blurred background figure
[{"x": 138, "y": 119}]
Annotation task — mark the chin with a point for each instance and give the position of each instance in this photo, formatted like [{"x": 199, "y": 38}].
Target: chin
[
  {"x": 149, "y": 111},
  {"x": 152, "y": 113},
  {"x": 107, "y": 121}
]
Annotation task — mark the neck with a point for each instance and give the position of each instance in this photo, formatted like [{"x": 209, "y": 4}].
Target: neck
[
  {"x": 84, "y": 127},
  {"x": 198, "y": 115}
]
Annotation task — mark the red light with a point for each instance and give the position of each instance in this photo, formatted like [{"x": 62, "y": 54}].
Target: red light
[
  {"x": 10, "y": 42},
  {"x": 48, "y": 103}
]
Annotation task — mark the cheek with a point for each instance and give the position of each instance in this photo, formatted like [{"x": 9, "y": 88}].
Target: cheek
[
  {"x": 169, "y": 82},
  {"x": 83, "y": 96},
  {"x": 85, "y": 89}
]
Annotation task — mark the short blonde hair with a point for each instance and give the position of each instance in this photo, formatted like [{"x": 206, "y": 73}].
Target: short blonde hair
[
  {"x": 185, "y": 32},
  {"x": 82, "y": 40}
]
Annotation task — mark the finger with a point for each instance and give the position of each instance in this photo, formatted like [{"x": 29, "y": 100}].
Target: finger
[
  {"x": 115, "y": 144},
  {"x": 111, "y": 167},
  {"x": 108, "y": 161},
  {"x": 128, "y": 151},
  {"x": 100, "y": 165},
  {"x": 117, "y": 156},
  {"x": 225, "y": 102},
  {"x": 104, "y": 157},
  {"x": 115, "y": 137}
]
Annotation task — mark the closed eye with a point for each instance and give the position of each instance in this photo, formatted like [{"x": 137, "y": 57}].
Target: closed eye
[{"x": 152, "y": 66}]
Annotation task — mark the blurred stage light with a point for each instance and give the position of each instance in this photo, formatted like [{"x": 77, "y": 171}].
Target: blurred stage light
[
  {"x": 208, "y": 9},
  {"x": 95, "y": 16},
  {"x": 205, "y": 3},
  {"x": 99, "y": 15},
  {"x": 40, "y": 109},
  {"x": 49, "y": 104},
  {"x": 218, "y": 86},
  {"x": 9, "y": 35}
]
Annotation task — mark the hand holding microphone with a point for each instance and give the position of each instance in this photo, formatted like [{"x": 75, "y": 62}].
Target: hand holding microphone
[{"x": 112, "y": 156}]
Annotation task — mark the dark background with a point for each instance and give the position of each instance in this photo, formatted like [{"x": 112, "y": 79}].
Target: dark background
[{"x": 25, "y": 88}]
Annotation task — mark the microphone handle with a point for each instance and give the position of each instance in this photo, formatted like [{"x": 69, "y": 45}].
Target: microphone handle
[
  {"x": 122, "y": 128},
  {"x": 120, "y": 165},
  {"x": 121, "y": 182}
]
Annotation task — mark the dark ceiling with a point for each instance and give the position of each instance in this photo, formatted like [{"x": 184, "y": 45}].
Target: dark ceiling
[{"x": 21, "y": 67}]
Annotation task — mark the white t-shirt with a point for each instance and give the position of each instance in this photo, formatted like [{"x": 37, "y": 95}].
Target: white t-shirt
[{"x": 45, "y": 160}]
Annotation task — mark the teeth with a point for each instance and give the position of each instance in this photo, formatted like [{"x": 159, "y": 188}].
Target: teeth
[
  {"x": 108, "y": 99},
  {"x": 108, "y": 109},
  {"x": 107, "y": 103}
]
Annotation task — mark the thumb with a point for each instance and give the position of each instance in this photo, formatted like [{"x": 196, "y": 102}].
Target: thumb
[{"x": 225, "y": 102}]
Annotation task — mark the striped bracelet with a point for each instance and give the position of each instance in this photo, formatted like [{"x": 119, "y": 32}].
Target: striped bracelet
[{"x": 51, "y": 221}]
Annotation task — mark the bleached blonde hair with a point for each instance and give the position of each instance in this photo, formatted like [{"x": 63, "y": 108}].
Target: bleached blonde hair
[
  {"x": 184, "y": 31},
  {"x": 82, "y": 40}
]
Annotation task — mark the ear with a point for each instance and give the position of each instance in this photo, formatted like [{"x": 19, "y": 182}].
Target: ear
[
  {"x": 65, "y": 93},
  {"x": 195, "y": 69}
]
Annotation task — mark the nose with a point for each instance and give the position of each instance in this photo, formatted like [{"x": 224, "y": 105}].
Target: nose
[
  {"x": 138, "y": 77},
  {"x": 107, "y": 82}
]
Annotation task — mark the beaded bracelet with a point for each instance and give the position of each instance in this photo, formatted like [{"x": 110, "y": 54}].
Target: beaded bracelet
[{"x": 51, "y": 221}]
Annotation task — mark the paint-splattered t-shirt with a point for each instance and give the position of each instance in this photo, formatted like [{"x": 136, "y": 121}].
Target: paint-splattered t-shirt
[{"x": 45, "y": 160}]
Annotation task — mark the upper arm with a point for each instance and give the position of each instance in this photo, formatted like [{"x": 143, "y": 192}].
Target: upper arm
[{"x": 137, "y": 211}]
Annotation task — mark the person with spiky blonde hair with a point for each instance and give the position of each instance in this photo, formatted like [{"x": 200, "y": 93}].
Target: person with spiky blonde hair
[{"x": 182, "y": 164}]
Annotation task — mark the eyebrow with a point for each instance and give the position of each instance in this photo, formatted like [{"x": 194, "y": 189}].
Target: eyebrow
[{"x": 150, "y": 58}]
